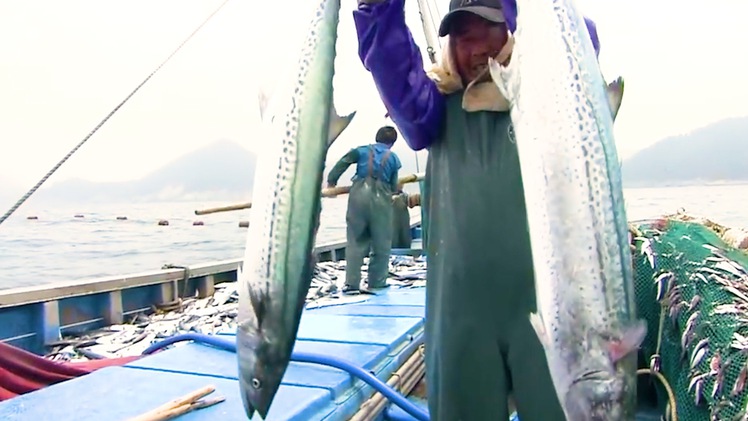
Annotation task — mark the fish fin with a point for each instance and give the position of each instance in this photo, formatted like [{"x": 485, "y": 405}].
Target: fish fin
[
  {"x": 615, "y": 96},
  {"x": 629, "y": 342},
  {"x": 502, "y": 76},
  {"x": 537, "y": 324},
  {"x": 337, "y": 124},
  {"x": 259, "y": 300}
]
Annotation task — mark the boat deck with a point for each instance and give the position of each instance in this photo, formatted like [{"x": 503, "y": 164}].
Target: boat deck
[{"x": 378, "y": 334}]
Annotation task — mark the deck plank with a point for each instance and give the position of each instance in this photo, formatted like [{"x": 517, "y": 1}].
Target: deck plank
[
  {"x": 204, "y": 360},
  {"x": 118, "y": 393},
  {"x": 401, "y": 297},
  {"x": 376, "y": 310},
  {"x": 387, "y": 331}
]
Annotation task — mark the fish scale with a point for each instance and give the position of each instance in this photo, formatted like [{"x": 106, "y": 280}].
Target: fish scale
[{"x": 563, "y": 125}]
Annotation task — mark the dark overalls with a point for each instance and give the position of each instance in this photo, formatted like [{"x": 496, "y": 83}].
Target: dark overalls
[
  {"x": 369, "y": 215},
  {"x": 401, "y": 236},
  {"x": 480, "y": 290}
]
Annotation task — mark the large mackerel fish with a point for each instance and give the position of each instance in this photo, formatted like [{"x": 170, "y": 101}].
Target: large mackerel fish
[
  {"x": 563, "y": 112},
  {"x": 300, "y": 123}
]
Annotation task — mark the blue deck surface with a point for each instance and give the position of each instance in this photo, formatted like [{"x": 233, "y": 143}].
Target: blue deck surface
[{"x": 377, "y": 334}]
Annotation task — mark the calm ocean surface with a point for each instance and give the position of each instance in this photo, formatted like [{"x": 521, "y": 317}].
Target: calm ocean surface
[{"x": 59, "y": 247}]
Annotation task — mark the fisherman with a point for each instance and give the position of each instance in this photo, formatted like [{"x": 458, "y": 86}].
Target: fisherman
[
  {"x": 401, "y": 236},
  {"x": 480, "y": 346},
  {"x": 369, "y": 215}
]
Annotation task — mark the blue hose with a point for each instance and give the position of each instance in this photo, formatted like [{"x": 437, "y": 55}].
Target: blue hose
[
  {"x": 306, "y": 357},
  {"x": 197, "y": 337}
]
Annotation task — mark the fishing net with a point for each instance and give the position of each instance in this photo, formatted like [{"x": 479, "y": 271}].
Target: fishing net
[{"x": 692, "y": 289}]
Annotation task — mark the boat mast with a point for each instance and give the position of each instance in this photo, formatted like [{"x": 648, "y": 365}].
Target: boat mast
[{"x": 428, "y": 11}]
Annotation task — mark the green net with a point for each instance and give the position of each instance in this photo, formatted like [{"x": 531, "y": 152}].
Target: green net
[{"x": 692, "y": 289}]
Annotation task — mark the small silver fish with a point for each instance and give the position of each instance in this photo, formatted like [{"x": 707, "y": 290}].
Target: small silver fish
[
  {"x": 728, "y": 267},
  {"x": 675, "y": 311},
  {"x": 699, "y": 277},
  {"x": 739, "y": 385},
  {"x": 648, "y": 253},
  {"x": 695, "y": 300},
  {"x": 696, "y": 386},
  {"x": 699, "y": 352},
  {"x": 715, "y": 363},
  {"x": 663, "y": 283},
  {"x": 717, "y": 386}
]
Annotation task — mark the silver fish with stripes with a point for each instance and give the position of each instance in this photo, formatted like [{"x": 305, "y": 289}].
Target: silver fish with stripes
[
  {"x": 563, "y": 112},
  {"x": 300, "y": 123}
]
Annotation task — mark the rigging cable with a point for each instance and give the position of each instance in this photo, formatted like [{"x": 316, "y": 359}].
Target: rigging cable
[
  {"x": 431, "y": 33},
  {"x": 430, "y": 30},
  {"x": 66, "y": 157}
]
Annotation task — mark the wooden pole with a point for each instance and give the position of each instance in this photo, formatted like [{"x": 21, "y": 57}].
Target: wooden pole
[
  {"x": 239, "y": 206},
  {"x": 180, "y": 406},
  {"x": 326, "y": 192}
]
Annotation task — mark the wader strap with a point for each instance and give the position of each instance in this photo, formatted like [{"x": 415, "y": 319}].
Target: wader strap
[
  {"x": 385, "y": 157},
  {"x": 371, "y": 161}
]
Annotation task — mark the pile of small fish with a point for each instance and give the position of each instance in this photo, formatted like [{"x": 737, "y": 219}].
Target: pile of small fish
[
  {"x": 217, "y": 313},
  {"x": 706, "y": 303},
  {"x": 405, "y": 271}
]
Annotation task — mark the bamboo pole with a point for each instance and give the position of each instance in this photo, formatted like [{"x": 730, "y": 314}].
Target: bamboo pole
[
  {"x": 326, "y": 192},
  {"x": 402, "y": 380},
  {"x": 180, "y": 406},
  {"x": 239, "y": 206}
]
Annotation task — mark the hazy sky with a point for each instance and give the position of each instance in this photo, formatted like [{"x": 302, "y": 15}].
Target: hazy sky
[{"x": 66, "y": 64}]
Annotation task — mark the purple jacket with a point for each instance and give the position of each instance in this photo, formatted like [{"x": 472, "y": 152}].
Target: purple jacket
[{"x": 387, "y": 50}]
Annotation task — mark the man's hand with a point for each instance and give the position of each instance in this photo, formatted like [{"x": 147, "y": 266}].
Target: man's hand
[{"x": 331, "y": 186}]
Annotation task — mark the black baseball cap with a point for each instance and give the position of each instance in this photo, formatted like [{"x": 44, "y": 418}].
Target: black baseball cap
[{"x": 487, "y": 9}]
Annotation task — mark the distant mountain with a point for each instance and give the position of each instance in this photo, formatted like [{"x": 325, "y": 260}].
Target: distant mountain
[
  {"x": 222, "y": 170},
  {"x": 715, "y": 153}
]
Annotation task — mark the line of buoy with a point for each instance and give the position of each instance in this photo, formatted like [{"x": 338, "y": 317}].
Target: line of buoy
[{"x": 161, "y": 222}]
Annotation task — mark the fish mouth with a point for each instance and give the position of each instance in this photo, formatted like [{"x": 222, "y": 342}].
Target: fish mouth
[
  {"x": 253, "y": 404},
  {"x": 595, "y": 395},
  {"x": 258, "y": 397},
  {"x": 592, "y": 376},
  {"x": 250, "y": 410}
]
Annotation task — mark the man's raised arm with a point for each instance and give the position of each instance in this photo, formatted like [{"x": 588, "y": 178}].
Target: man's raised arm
[{"x": 388, "y": 51}]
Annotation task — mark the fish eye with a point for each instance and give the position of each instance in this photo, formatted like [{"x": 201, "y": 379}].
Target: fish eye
[{"x": 256, "y": 383}]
